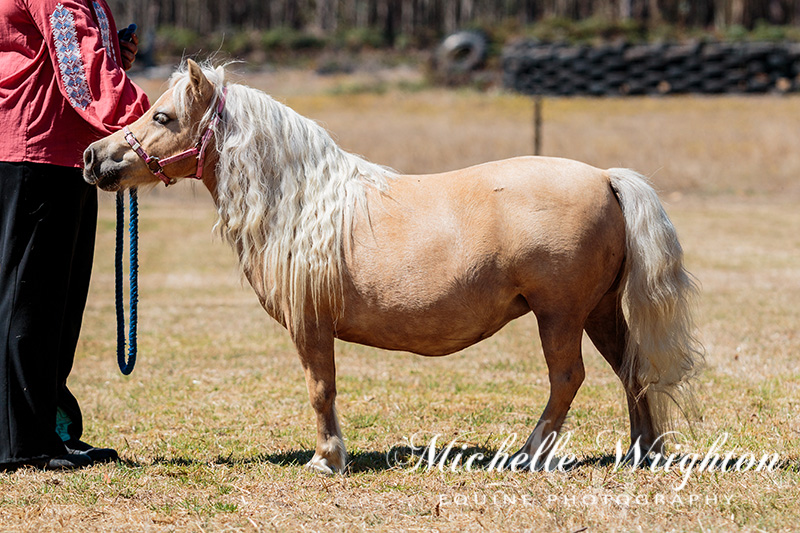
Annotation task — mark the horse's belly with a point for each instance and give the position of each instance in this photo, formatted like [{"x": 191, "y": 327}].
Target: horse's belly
[{"x": 433, "y": 331}]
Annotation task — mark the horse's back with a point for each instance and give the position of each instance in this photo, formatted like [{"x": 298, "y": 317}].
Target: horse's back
[
  {"x": 506, "y": 210},
  {"x": 464, "y": 252}
]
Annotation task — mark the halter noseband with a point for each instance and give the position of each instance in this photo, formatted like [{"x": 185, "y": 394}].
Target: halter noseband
[{"x": 157, "y": 165}]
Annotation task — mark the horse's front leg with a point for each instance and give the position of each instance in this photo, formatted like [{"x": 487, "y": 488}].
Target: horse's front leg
[{"x": 315, "y": 347}]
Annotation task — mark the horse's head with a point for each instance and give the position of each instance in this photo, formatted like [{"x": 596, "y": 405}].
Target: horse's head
[{"x": 167, "y": 143}]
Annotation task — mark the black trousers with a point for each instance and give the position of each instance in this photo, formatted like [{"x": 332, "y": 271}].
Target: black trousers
[{"x": 48, "y": 219}]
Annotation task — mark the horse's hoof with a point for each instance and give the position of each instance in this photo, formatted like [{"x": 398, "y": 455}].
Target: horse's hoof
[
  {"x": 320, "y": 464},
  {"x": 647, "y": 460},
  {"x": 521, "y": 464}
]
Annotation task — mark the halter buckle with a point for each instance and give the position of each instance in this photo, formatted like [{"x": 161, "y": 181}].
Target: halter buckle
[{"x": 154, "y": 165}]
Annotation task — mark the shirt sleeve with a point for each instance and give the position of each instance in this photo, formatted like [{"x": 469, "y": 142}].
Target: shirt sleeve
[{"x": 82, "y": 44}]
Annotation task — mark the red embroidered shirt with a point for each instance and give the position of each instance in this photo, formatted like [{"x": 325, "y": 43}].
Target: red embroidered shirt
[{"x": 61, "y": 81}]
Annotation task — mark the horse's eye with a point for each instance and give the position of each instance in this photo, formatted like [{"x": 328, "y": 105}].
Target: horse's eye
[{"x": 161, "y": 118}]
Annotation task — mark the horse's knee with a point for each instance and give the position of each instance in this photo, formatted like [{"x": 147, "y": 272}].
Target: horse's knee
[
  {"x": 323, "y": 400},
  {"x": 321, "y": 391}
]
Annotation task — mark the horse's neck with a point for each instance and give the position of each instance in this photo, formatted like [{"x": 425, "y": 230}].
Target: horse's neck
[{"x": 209, "y": 179}]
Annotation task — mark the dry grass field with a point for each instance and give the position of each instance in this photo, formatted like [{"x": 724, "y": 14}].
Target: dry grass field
[{"x": 214, "y": 425}]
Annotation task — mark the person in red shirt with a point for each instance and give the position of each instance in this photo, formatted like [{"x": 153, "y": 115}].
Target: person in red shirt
[{"x": 62, "y": 86}]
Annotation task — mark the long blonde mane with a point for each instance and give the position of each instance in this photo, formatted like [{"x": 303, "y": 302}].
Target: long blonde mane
[{"x": 286, "y": 197}]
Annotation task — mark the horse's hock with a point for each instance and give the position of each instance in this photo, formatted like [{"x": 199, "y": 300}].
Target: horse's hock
[{"x": 530, "y": 67}]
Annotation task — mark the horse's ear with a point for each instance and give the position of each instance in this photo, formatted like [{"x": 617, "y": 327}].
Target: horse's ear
[{"x": 201, "y": 87}]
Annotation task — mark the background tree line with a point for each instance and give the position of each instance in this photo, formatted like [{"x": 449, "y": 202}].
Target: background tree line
[{"x": 422, "y": 22}]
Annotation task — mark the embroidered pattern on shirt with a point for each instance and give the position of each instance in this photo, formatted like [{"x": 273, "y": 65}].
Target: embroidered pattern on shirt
[
  {"x": 105, "y": 28},
  {"x": 65, "y": 38}
]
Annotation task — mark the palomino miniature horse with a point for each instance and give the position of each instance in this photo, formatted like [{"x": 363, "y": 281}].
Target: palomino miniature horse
[{"x": 335, "y": 246}]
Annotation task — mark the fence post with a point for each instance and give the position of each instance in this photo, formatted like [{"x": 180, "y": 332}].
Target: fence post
[{"x": 537, "y": 124}]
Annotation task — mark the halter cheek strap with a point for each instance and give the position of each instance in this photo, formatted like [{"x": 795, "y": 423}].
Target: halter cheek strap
[{"x": 198, "y": 151}]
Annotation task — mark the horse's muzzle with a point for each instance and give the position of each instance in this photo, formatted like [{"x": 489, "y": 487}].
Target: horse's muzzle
[{"x": 99, "y": 171}]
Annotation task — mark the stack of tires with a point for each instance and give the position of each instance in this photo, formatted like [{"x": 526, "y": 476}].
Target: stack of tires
[{"x": 622, "y": 69}]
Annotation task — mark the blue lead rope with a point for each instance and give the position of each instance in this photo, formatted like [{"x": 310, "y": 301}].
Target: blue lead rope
[{"x": 133, "y": 229}]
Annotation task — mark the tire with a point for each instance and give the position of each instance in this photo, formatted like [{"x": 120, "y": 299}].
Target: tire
[
  {"x": 461, "y": 52},
  {"x": 714, "y": 86}
]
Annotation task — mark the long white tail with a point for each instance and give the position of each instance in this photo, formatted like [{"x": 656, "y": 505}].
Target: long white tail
[{"x": 662, "y": 353}]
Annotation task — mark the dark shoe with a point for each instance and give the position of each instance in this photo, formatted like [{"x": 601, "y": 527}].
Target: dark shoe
[
  {"x": 68, "y": 461},
  {"x": 97, "y": 455}
]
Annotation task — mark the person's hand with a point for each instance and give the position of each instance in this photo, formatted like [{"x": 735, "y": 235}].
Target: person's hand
[{"x": 129, "y": 49}]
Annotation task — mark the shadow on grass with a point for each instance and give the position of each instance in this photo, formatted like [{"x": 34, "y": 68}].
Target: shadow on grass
[
  {"x": 398, "y": 457},
  {"x": 788, "y": 464},
  {"x": 404, "y": 457},
  {"x": 290, "y": 458},
  {"x": 597, "y": 461},
  {"x": 358, "y": 461}
]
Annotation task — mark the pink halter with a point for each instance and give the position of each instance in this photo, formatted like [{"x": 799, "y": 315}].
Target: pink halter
[{"x": 157, "y": 165}]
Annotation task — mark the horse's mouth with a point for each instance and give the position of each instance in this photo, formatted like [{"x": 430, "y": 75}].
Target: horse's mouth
[{"x": 107, "y": 181}]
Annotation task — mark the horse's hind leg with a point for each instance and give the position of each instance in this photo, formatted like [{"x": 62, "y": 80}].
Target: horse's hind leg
[
  {"x": 315, "y": 348},
  {"x": 561, "y": 343},
  {"x": 608, "y": 330}
]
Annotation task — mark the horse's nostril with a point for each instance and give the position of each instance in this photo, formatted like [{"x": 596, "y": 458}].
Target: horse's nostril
[
  {"x": 88, "y": 158},
  {"x": 89, "y": 162}
]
